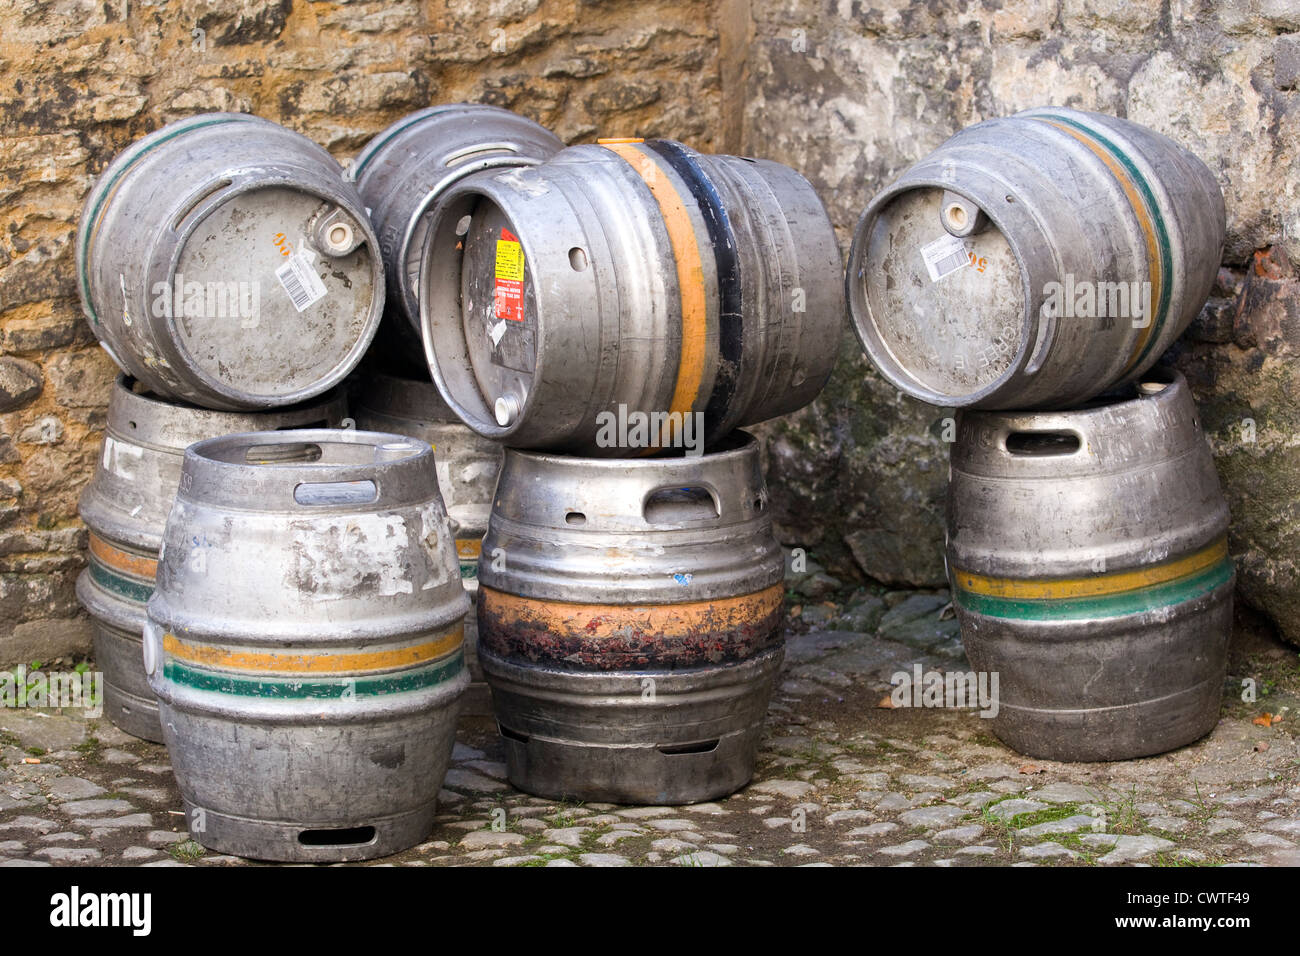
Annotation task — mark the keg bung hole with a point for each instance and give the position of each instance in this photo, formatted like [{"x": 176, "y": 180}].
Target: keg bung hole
[
  {"x": 339, "y": 236},
  {"x": 1042, "y": 444},
  {"x": 336, "y": 493},
  {"x": 281, "y": 454},
  {"x": 462, "y": 227},
  {"x": 956, "y": 216},
  {"x": 674, "y": 505},
  {"x": 700, "y": 747},
  {"x": 343, "y": 836},
  {"x": 578, "y": 258},
  {"x": 575, "y": 518}
]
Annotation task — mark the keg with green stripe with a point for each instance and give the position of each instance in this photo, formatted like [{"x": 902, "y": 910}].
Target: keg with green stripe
[
  {"x": 125, "y": 508},
  {"x": 304, "y": 643},
  {"x": 1088, "y": 557},
  {"x": 468, "y": 465},
  {"x": 223, "y": 260},
  {"x": 609, "y": 299},
  {"x": 1034, "y": 261}
]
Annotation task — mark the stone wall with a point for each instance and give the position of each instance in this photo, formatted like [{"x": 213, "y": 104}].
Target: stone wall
[
  {"x": 849, "y": 93},
  {"x": 81, "y": 80},
  {"x": 853, "y": 92}
]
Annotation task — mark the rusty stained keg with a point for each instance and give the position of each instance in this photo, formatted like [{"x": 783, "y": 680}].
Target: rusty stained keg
[
  {"x": 1088, "y": 557},
  {"x": 125, "y": 508},
  {"x": 1034, "y": 261},
  {"x": 630, "y": 617},
  {"x": 304, "y": 643},
  {"x": 626, "y": 280},
  {"x": 224, "y": 261},
  {"x": 403, "y": 171},
  {"x": 468, "y": 465}
]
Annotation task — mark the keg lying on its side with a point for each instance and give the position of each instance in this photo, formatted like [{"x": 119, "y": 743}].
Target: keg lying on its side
[
  {"x": 125, "y": 508},
  {"x": 1089, "y": 564},
  {"x": 630, "y": 623},
  {"x": 304, "y": 643},
  {"x": 406, "y": 167},
  {"x": 1034, "y": 261},
  {"x": 468, "y": 465},
  {"x": 604, "y": 299},
  {"x": 224, "y": 261}
]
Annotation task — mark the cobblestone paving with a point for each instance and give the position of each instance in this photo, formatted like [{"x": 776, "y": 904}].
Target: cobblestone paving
[{"x": 841, "y": 781}]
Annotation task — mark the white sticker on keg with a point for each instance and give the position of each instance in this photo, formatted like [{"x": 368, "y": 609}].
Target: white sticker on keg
[
  {"x": 300, "y": 280},
  {"x": 944, "y": 256}
]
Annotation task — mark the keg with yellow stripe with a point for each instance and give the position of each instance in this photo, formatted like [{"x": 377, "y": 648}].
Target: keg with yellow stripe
[
  {"x": 624, "y": 279},
  {"x": 304, "y": 643},
  {"x": 468, "y": 465},
  {"x": 630, "y": 622},
  {"x": 1034, "y": 261},
  {"x": 125, "y": 507},
  {"x": 1088, "y": 557}
]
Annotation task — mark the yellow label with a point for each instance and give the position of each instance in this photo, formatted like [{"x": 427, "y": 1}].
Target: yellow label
[
  {"x": 469, "y": 547},
  {"x": 510, "y": 260}
]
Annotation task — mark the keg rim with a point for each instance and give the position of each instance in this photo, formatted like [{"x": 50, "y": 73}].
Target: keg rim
[{"x": 867, "y": 328}]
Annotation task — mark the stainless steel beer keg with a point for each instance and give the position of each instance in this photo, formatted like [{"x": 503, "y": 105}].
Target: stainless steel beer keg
[
  {"x": 630, "y": 623},
  {"x": 1088, "y": 556},
  {"x": 304, "y": 643},
  {"x": 1034, "y": 261}
]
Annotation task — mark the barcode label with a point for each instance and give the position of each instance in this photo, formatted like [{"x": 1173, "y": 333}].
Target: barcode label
[
  {"x": 944, "y": 256},
  {"x": 300, "y": 281}
]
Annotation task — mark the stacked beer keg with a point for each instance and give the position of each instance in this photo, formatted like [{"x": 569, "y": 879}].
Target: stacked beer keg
[{"x": 1029, "y": 273}]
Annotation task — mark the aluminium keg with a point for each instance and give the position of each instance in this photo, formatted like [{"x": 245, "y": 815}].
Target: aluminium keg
[
  {"x": 1034, "y": 261},
  {"x": 1088, "y": 558},
  {"x": 629, "y": 285},
  {"x": 468, "y": 465},
  {"x": 304, "y": 643},
  {"x": 630, "y": 623},
  {"x": 406, "y": 167},
  {"x": 222, "y": 260},
  {"x": 125, "y": 508}
]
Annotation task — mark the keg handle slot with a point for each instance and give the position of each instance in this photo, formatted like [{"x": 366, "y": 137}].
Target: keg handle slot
[
  {"x": 343, "y": 836},
  {"x": 199, "y": 198},
  {"x": 315, "y": 493},
  {"x": 699, "y": 747},
  {"x": 282, "y": 453},
  {"x": 478, "y": 149},
  {"x": 675, "y": 504},
  {"x": 1042, "y": 444}
]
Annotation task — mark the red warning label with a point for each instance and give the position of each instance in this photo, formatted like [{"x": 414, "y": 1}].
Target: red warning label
[{"x": 508, "y": 301}]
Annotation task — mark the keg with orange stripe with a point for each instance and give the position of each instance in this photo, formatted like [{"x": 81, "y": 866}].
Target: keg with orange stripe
[
  {"x": 304, "y": 643},
  {"x": 468, "y": 465},
  {"x": 630, "y": 622},
  {"x": 629, "y": 279},
  {"x": 125, "y": 507},
  {"x": 1034, "y": 261},
  {"x": 1088, "y": 557}
]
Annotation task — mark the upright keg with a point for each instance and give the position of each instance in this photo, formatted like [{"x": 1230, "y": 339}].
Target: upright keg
[
  {"x": 1089, "y": 564},
  {"x": 619, "y": 295},
  {"x": 224, "y": 261},
  {"x": 468, "y": 465},
  {"x": 405, "y": 169},
  {"x": 630, "y": 619},
  {"x": 1034, "y": 261},
  {"x": 125, "y": 508},
  {"x": 304, "y": 643}
]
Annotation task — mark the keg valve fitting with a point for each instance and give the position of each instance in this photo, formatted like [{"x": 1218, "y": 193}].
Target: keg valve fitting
[
  {"x": 506, "y": 410},
  {"x": 961, "y": 217},
  {"x": 332, "y": 233}
]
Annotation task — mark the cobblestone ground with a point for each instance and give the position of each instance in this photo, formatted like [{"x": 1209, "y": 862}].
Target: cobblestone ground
[{"x": 840, "y": 781}]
